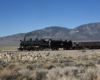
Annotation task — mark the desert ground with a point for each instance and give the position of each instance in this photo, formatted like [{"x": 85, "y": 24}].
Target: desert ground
[{"x": 50, "y": 65}]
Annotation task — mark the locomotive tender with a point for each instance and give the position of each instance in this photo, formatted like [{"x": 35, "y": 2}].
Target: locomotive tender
[{"x": 44, "y": 44}]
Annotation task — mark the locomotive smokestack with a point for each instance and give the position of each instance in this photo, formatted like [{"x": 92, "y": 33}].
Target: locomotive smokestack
[{"x": 24, "y": 37}]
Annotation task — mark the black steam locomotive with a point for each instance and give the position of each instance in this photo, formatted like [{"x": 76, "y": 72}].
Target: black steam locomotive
[{"x": 45, "y": 44}]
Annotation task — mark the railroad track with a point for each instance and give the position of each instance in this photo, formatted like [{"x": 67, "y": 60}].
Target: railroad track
[{"x": 43, "y": 50}]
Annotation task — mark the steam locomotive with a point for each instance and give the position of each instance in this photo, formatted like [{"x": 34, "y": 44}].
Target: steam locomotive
[{"x": 44, "y": 44}]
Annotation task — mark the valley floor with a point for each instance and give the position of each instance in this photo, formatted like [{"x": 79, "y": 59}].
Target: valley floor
[{"x": 50, "y": 65}]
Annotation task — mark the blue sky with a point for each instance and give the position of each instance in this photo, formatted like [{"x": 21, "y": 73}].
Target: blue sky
[{"x": 21, "y": 16}]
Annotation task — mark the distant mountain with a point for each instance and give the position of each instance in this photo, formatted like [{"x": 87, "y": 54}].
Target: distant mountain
[
  {"x": 11, "y": 40},
  {"x": 53, "y": 32},
  {"x": 85, "y": 32}
]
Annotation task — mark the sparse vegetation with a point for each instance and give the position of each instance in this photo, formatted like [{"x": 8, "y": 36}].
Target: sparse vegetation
[
  {"x": 9, "y": 48},
  {"x": 84, "y": 67}
]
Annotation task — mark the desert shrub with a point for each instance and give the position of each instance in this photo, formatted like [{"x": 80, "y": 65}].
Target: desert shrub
[
  {"x": 7, "y": 75},
  {"x": 11, "y": 66},
  {"x": 67, "y": 78},
  {"x": 22, "y": 78},
  {"x": 1, "y": 67},
  {"x": 79, "y": 64},
  {"x": 90, "y": 74},
  {"x": 17, "y": 69},
  {"x": 68, "y": 71},
  {"x": 81, "y": 69},
  {"x": 30, "y": 67},
  {"x": 60, "y": 65},
  {"x": 98, "y": 62},
  {"x": 84, "y": 58},
  {"x": 62, "y": 73},
  {"x": 62, "y": 61},
  {"x": 70, "y": 57},
  {"x": 91, "y": 64},
  {"x": 72, "y": 71},
  {"x": 4, "y": 64},
  {"x": 53, "y": 74},
  {"x": 48, "y": 66},
  {"x": 25, "y": 61},
  {"x": 75, "y": 70},
  {"x": 31, "y": 62},
  {"x": 54, "y": 61},
  {"x": 94, "y": 59},
  {"x": 25, "y": 72},
  {"x": 72, "y": 63},
  {"x": 98, "y": 72},
  {"x": 37, "y": 66},
  {"x": 39, "y": 75},
  {"x": 66, "y": 64},
  {"x": 5, "y": 72}
]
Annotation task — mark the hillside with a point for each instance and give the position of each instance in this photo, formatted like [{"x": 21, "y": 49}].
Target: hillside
[{"x": 85, "y": 32}]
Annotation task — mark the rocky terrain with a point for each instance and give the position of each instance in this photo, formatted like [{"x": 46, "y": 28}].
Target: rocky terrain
[
  {"x": 86, "y": 32},
  {"x": 50, "y": 65},
  {"x": 35, "y": 55}
]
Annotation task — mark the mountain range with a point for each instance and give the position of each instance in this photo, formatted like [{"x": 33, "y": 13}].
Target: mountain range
[{"x": 86, "y": 32}]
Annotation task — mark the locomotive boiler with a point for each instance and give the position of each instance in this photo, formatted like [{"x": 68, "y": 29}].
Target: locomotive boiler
[{"x": 44, "y": 44}]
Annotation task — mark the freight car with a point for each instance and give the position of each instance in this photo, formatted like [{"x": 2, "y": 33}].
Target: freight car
[
  {"x": 45, "y": 44},
  {"x": 86, "y": 45}
]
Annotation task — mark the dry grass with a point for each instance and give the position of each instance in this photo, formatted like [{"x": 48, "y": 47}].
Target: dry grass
[
  {"x": 71, "y": 68},
  {"x": 9, "y": 48},
  {"x": 5, "y": 72},
  {"x": 56, "y": 73}
]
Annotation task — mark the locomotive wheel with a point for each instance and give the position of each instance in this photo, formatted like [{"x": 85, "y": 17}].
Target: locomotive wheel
[
  {"x": 57, "y": 49},
  {"x": 66, "y": 49},
  {"x": 52, "y": 48},
  {"x": 37, "y": 49},
  {"x": 28, "y": 49},
  {"x": 41, "y": 48},
  {"x": 20, "y": 49}
]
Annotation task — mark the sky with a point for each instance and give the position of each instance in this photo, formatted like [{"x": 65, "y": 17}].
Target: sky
[{"x": 22, "y": 16}]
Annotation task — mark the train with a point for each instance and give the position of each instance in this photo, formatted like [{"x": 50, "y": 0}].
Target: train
[{"x": 49, "y": 44}]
